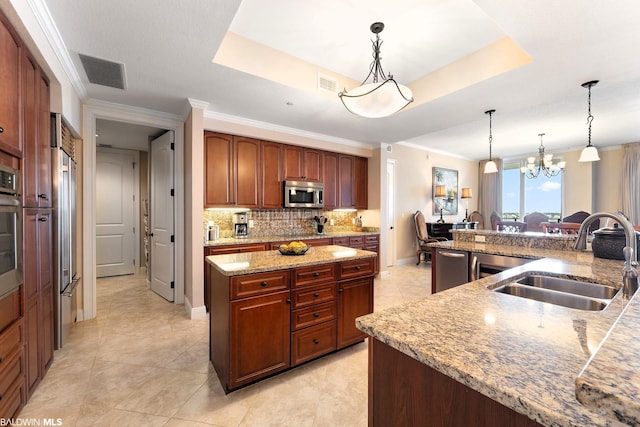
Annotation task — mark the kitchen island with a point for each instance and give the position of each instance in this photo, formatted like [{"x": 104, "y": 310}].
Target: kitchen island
[
  {"x": 271, "y": 312},
  {"x": 472, "y": 356}
]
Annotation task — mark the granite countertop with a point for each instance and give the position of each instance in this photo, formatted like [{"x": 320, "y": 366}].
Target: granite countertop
[
  {"x": 285, "y": 238},
  {"x": 523, "y": 353},
  {"x": 257, "y": 262}
]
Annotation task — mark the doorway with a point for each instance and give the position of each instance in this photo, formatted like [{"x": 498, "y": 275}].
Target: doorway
[{"x": 391, "y": 212}]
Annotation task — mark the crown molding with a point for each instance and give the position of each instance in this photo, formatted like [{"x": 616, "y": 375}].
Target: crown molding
[
  {"x": 284, "y": 129},
  {"x": 44, "y": 18},
  {"x": 431, "y": 150},
  {"x": 128, "y": 112}
]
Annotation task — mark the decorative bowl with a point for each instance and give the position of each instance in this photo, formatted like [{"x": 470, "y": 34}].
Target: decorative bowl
[{"x": 293, "y": 250}]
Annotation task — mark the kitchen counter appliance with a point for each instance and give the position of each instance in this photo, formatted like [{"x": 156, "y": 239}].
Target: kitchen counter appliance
[
  {"x": 10, "y": 231},
  {"x": 452, "y": 268},
  {"x": 483, "y": 265},
  {"x": 303, "y": 194},
  {"x": 240, "y": 225}
]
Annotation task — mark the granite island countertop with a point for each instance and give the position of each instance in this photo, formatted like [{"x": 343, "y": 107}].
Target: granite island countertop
[
  {"x": 258, "y": 262},
  {"x": 522, "y": 353}
]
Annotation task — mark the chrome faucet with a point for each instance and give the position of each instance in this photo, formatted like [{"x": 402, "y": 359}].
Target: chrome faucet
[
  {"x": 630, "y": 274},
  {"x": 630, "y": 233}
]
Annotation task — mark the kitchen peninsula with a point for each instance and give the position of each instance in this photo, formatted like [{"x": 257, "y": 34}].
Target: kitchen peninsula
[
  {"x": 472, "y": 356},
  {"x": 271, "y": 312}
]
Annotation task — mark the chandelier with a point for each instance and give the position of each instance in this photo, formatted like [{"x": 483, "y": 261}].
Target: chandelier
[
  {"x": 544, "y": 165},
  {"x": 383, "y": 96},
  {"x": 589, "y": 153}
]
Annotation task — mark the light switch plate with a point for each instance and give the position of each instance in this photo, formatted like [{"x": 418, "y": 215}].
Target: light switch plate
[
  {"x": 480, "y": 238},
  {"x": 251, "y": 224}
]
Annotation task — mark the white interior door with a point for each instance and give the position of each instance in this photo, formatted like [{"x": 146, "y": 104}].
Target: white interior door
[
  {"x": 162, "y": 216},
  {"x": 115, "y": 212},
  {"x": 391, "y": 212}
]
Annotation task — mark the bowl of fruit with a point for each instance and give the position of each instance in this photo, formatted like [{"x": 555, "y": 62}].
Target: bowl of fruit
[{"x": 294, "y": 248}]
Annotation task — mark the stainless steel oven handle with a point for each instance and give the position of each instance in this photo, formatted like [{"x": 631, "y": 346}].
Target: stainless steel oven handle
[
  {"x": 73, "y": 286},
  {"x": 474, "y": 267}
]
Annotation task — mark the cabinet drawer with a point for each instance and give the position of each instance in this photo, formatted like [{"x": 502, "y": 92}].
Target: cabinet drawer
[
  {"x": 356, "y": 241},
  {"x": 259, "y": 283},
  {"x": 13, "y": 400},
  {"x": 314, "y": 274},
  {"x": 357, "y": 268},
  {"x": 10, "y": 339},
  {"x": 9, "y": 309},
  {"x": 12, "y": 371},
  {"x": 313, "y": 295},
  {"x": 370, "y": 239},
  {"x": 310, "y": 343},
  {"x": 235, "y": 249},
  {"x": 342, "y": 241},
  {"x": 313, "y": 315}
]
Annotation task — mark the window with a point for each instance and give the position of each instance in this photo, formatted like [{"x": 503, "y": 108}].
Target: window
[{"x": 521, "y": 195}]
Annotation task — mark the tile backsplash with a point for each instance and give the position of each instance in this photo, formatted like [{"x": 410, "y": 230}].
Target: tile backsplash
[{"x": 282, "y": 222}]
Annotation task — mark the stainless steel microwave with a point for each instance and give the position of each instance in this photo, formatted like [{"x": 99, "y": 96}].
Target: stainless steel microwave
[{"x": 302, "y": 194}]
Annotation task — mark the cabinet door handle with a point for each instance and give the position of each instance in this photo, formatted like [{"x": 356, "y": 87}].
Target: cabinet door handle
[
  {"x": 472, "y": 271},
  {"x": 452, "y": 255},
  {"x": 0, "y": 359},
  {"x": 316, "y": 315},
  {"x": 316, "y": 341},
  {"x": 263, "y": 284},
  {"x": 42, "y": 219},
  {"x": 1, "y": 129},
  {"x": 316, "y": 295},
  {"x": 316, "y": 274},
  {"x": 288, "y": 301},
  {"x": 42, "y": 196},
  {"x": 340, "y": 290},
  {"x": 358, "y": 267}
]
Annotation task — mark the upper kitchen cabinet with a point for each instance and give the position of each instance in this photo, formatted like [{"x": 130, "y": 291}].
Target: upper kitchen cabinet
[
  {"x": 352, "y": 182},
  {"x": 232, "y": 171},
  {"x": 330, "y": 179},
  {"x": 10, "y": 50},
  {"x": 272, "y": 176},
  {"x": 36, "y": 124},
  {"x": 302, "y": 164}
]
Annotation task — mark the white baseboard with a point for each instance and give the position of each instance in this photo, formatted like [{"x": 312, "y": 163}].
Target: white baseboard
[
  {"x": 194, "y": 312},
  {"x": 406, "y": 261}
]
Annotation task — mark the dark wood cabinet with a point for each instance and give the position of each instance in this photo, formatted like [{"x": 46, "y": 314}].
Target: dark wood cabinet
[
  {"x": 36, "y": 163},
  {"x": 405, "y": 392},
  {"x": 345, "y": 179},
  {"x": 10, "y": 50},
  {"x": 232, "y": 171},
  {"x": 259, "y": 335},
  {"x": 360, "y": 183},
  {"x": 330, "y": 179},
  {"x": 302, "y": 164},
  {"x": 12, "y": 375},
  {"x": 38, "y": 285},
  {"x": 355, "y": 299},
  {"x": 272, "y": 176}
]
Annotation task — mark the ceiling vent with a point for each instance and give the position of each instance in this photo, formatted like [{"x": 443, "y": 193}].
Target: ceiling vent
[
  {"x": 327, "y": 83},
  {"x": 103, "y": 72}
]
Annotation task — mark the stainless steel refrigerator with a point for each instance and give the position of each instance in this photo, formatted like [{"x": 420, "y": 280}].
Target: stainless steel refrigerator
[{"x": 64, "y": 213}]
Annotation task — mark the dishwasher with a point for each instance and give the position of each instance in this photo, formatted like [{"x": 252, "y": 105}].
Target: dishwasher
[
  {"x": 452, "y": 268},
  {"x": 483, "y": 265}
]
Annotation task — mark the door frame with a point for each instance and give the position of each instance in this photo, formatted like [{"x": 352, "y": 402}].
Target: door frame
[
  {"x": 391, "y": 203},
  {"x": 136, "y": 204},
  {"x": 91, "y": 111}
]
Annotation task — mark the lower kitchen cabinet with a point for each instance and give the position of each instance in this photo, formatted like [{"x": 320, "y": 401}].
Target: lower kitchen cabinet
[
  {"x": 38, "y": 301},
  {"x": 12, "y": 356},
  {"x": 355, "y": 299}
]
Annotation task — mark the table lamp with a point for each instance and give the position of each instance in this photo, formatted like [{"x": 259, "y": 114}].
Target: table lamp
[
  {"x": 441, "y": 193},
  {"x": 466, "y": 194}
]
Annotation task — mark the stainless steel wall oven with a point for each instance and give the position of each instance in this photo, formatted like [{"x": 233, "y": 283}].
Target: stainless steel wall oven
[{"x": 10, "y": 231}]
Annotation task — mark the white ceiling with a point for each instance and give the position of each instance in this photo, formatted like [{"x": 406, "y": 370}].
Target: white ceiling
[{"x": 168, "y": 47}]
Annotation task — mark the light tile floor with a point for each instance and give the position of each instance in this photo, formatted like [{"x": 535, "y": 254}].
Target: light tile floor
[{"x": 142, "y": 362}]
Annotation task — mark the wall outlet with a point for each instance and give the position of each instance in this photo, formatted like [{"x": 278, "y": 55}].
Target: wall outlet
[
  {"x": 331, "y": 221},
  {"x": 251, "y": 223},
  {"x": 480, "y": 239}
]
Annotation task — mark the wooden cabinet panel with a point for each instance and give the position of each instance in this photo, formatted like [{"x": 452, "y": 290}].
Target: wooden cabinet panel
[
  {"x": 345, "y": 178},
  {"x": 313, "y": 165},
  {"x": 360, "y": 183},
  {"x": 32, "y": 320},
  {"x": 341, "y": 241},
  {"x": 356, "y": 242},
  {"x": 10, "y": 139},
  {"x": 247, "y": 162},
  {"x": 218, "y": 170},
  {"x": 311, "y": 295},
  {"x": 13, "y": 401},
  {"x": 11, "y": 339},
  {"x": 302, "y": 164},
  {"x": 314, "y": 315},
  {"x": 357, "y": 267},
  {"x": 11, "y": 372},
  {"x": 259, "y": 283},
  {"x": 29, "y": 131},
  {"x": 312, "y": 342},
  {"x": 236, "y": 249},
  {"x": 9, "y": 311},
  {"x": 259, "y": 337},
  {"x": 330, "y": 179},
  {"x": 355, "y": 299},
  {"x": 272, "y": 187}
]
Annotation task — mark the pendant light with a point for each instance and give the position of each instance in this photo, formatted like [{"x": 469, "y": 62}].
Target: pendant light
[
  {"x": 589, "y": 153},
  {"x": 378, "y": 98},
  {"x": 490, "y": 166}
]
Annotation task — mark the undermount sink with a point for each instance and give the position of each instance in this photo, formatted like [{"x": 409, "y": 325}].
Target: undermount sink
[{"x": 558, "y": 291}]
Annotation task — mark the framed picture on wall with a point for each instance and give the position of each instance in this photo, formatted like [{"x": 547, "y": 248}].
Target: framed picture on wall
[{"x": 445, "y": 198}]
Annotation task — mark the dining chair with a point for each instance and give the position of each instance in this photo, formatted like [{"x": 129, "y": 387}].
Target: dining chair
[
  {"x": 423, "y": 237},
  {"x": 511, "y": 226}
]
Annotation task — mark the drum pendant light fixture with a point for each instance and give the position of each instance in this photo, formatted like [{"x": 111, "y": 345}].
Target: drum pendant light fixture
[
  {"x": 490, "y": 166},
  {"x": 383, "y": 96},
  {"x": 589, "y": 153}
]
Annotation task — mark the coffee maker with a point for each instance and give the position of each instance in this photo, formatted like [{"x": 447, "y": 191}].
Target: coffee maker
[{"x": 240, "y": 225}]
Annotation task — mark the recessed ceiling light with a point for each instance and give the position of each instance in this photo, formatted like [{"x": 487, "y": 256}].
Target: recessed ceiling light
[{"x": 289, "y": 103}]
